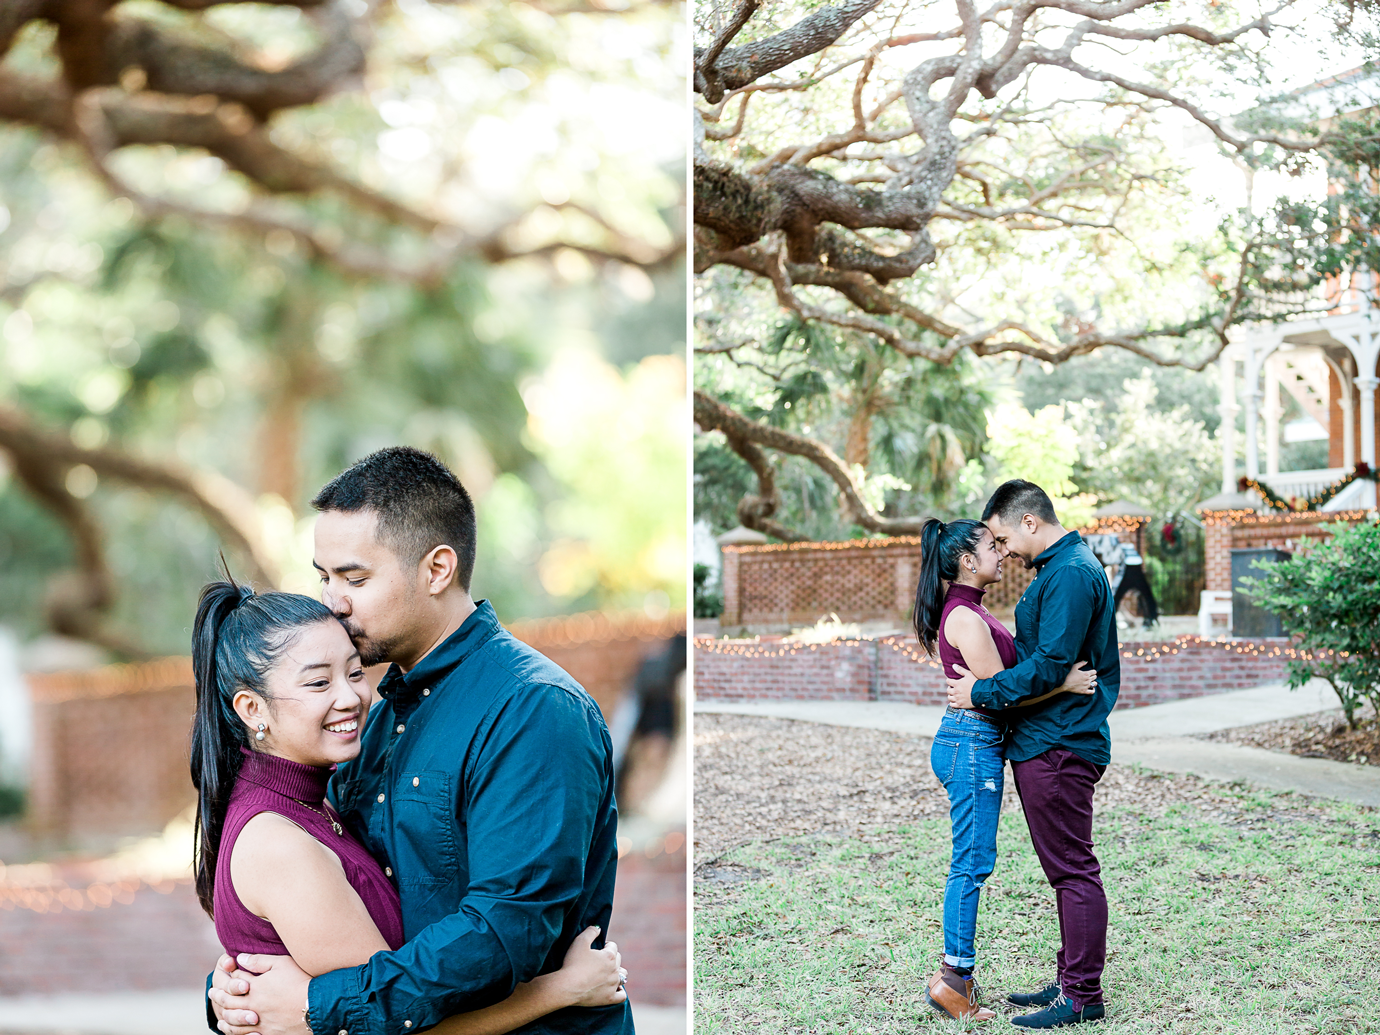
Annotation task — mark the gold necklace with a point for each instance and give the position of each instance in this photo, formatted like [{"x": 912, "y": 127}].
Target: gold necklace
[{"x": 335, "y": 823}]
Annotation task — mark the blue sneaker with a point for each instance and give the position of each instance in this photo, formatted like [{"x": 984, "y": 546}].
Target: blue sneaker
[
  {"x": 1043, "y": 997},
  {"x": 1060, "y": 1014}
]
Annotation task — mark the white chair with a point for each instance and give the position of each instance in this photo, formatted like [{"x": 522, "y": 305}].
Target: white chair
[{"x": 1213, "y": 602}]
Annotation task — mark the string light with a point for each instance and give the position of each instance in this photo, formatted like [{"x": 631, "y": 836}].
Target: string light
[
  {"x": 846, "y": 544},
  {"x": 55, "y": 896},
  {"x": 1117, "y": 523},
  {"x": 1253, "y": 517},
  {"x": 1149, "y": 652}
]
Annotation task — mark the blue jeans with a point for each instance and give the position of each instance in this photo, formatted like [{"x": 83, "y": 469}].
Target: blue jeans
[{"x": 967, "y": 759}]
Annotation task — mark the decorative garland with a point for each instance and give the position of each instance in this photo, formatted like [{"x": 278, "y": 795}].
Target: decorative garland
[{"x": 1324, "y": 496}]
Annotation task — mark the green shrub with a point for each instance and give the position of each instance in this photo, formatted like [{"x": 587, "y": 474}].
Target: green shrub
[
  {"x": 1329, "y": 600},
  {"x": 708, "y": 603},
  {"x": 12, "y": 801}
]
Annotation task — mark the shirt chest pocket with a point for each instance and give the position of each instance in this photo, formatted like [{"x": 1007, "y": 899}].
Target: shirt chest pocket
[{"x": 425, "y": 849}]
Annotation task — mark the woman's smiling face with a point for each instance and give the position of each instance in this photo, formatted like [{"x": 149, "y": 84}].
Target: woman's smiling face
[
  {"x": 986, "y": 557},
  {"x": 318, "y": 702}
]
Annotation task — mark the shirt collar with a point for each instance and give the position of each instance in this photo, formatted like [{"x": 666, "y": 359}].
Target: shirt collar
[
  {"x": 438, "y": 663},
  {"x": 1065, "y": 542}
]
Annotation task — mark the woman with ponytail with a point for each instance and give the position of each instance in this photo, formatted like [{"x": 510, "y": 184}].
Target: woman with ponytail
[
  {"x": 958, "y": 561},
  {"x": 281, "y": 700}
]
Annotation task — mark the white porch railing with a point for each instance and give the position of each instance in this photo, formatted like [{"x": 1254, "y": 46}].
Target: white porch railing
[
  {"x": 1303, "y": 484},
  {"x": 1356, "y": 496}
]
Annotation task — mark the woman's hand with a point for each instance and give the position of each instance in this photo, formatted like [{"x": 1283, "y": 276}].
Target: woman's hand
[
  {"x": 592, "y": 977},
  {"x": 1081, "y": 680}
]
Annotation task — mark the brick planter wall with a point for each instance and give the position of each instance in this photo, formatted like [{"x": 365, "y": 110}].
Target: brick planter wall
[
  {"x": 110, "y": 747},
  {"x": 788, "y": 585},
  {"x": 1246, "y": 530},
  {"x": 895, "y": 669}
]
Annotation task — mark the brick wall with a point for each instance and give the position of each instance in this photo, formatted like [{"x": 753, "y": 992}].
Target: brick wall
[
  {"x": 1225, "y": 531},
  {"x": 110, "y": 747},
  {"x": 895, "y": 669},
  {"x": 649, "y": 908},
  {"x": 785, "y": 585}
]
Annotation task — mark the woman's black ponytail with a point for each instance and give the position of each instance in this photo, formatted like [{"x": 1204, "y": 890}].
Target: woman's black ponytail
[
  {"x": 941, "y": 546},
  {"x": 236, "y": 637}
]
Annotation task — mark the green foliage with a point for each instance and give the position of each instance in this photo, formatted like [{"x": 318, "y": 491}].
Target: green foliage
[
  {"x": 13, "y": 801},
  {"x": 1102, "y": 377},
  {"x": 709, "y": 603},
  {"x": 1040, "y": 447},
  {"x": 909, "y": 427},
  {"x": 722, "y": 478},
  {"x": 193, "y": 344},
  {"x": 1134, "y": 448},
  {"x": 1329, "y": 599}
]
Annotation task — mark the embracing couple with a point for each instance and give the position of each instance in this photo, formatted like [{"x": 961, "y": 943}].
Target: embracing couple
[
  {"x": 450, "y": 861},
  {"x": 1039, "y": 701}
]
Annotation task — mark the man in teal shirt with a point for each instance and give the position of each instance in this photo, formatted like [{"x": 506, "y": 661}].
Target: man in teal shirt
[
  {"x": 484, "y": 783},
  {"x": 1058, "y": 749}
]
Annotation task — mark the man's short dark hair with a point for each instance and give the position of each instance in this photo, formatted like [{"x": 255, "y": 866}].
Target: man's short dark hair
[
  {"x": 1016, "y": 498},
  {"x": 419, "y": 503}
]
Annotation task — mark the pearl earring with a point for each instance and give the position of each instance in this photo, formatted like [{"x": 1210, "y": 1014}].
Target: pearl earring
[
  {"x": 260, "y": 734},
  {"x": 971, "y": 568}
]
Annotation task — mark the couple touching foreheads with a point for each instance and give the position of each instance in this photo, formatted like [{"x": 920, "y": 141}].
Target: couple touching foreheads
[
  {"x": 450, "y": 861},
  {"x": 1039, "y": 700}
]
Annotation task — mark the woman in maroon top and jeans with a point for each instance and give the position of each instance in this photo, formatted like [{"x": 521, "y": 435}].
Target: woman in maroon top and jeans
[
  {"x": 281, "y": 700},
  {"x": 958, "y": 561}
]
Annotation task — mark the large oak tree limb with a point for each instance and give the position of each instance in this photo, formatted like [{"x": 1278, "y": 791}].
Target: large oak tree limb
[
  {"x": 744, "y": 64},
  {"x": 227, "y": 508},
  {"x": 711, "y": 414}
]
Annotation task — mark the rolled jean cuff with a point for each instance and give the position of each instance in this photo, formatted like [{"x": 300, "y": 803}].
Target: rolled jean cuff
[{"x": 955, "y": 961}]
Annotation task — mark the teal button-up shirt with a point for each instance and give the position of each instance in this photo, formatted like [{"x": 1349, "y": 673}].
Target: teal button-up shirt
[
  {"x": 1064, "y": 617},
  {"x": 485, "y": 783}
]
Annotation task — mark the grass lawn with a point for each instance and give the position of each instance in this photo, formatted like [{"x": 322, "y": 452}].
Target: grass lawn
[{"x": 1261, "y": 917}]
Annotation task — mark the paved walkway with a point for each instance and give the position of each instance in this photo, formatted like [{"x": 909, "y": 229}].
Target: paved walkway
[{"x": 1158, "y": 736}]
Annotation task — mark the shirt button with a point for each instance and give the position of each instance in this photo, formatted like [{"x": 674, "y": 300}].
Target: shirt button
[
  {"x": 388, "y": 871},
  {"x": 426, "y": 693},
  {"x": 401, "y": 727},
  {"x": 381, "y": 799},
  {"x": 416, "y": 781},
  {"x": 407, "y": 1024}
]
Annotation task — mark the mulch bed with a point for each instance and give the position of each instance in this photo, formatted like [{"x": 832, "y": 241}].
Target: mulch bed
[
  {"x": 759, "y": 779},
  {"x": 1321, "y": 735}
]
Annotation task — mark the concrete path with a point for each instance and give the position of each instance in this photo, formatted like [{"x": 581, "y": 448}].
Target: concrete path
[
  {"x": 182, "y": 1012},
  {"x": 1159, "y": 736}
]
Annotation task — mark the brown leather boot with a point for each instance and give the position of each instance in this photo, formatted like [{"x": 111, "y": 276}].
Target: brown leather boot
[{"x": 955, "y": 995}]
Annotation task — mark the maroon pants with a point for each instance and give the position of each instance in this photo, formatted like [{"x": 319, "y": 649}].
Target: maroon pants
[{"x": 1056, "y": 790}]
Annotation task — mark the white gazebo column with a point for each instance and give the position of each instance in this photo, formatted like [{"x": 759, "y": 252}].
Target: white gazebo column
[
  {"x": 1227, "y": 369},
  {"x": 1367, "y": 385},
  {"x": 1272, "y": 414},
  {"x": 1252, "y": 413}
]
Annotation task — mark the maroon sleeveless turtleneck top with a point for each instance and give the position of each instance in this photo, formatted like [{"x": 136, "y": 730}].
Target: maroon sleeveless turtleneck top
[
  {"x": 267, "y": 783},
  {"x": 971, "y": 598}
]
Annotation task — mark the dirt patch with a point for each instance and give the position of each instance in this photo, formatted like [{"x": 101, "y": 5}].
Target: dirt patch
[
  {"x": 1320, "y": 735},
  {"x": 759, "y": 779}
]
